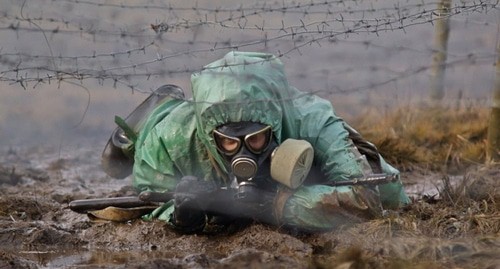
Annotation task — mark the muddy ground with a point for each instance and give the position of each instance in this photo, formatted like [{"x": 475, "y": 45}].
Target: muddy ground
[{"x": 456, "y": 225}]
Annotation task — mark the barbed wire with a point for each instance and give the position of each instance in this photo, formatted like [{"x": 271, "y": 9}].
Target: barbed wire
[
  {"x": 422, "y": 10},
  {"x": 301, "y": 25}
]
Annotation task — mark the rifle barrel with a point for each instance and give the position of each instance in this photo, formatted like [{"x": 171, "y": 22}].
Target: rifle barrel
[{"x": 374, "y": 179}]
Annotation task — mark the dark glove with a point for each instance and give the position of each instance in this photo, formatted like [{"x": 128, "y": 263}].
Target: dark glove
[
  {"x": 191, "y": 197},
  {"x": 251, "y": 202}
]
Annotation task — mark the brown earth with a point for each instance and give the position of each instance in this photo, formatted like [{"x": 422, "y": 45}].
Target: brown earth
[{"x": 453, "y": 222}]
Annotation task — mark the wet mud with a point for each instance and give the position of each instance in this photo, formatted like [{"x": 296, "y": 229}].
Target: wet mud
[{"x": 454, "y": 221}]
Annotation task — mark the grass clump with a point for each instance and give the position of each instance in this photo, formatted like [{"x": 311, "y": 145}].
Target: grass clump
[{"x": 428, "y": 137}]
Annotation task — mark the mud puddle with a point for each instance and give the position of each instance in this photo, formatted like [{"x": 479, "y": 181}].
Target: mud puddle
[
  {"x": 80, "y": 258},
  {"x": 57, "y": 258}
]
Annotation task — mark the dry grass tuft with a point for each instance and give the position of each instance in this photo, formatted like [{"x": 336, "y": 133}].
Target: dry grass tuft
[
  {"x": 431, "y": 137},
  {"x": 477, "y": 200}
]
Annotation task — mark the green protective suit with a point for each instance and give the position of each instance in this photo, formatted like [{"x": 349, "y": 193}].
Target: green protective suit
[{"x": 176, "y": 140}]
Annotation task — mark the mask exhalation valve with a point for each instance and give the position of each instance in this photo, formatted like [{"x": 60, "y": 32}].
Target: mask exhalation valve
[{"x": 244, "y": 168}]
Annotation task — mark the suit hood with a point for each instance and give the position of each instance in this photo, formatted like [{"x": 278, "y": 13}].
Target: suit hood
[{"x": 242, "y": 86}]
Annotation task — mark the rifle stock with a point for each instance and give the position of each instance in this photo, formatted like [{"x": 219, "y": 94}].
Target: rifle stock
[
  {"x": 82, "y": 206},
  {"x": 145, "y": 198}
]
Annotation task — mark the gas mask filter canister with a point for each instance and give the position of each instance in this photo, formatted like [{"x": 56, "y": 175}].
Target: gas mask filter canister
[{"x": 291, "y": 162}]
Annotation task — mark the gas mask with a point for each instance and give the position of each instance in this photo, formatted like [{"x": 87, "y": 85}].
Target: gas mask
[{"x": 255, "y": 161}]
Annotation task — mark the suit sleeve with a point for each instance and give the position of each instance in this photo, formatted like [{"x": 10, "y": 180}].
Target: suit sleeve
[
  {"x": 318, "y": 206},
  {"x": 154, "y": 169}
]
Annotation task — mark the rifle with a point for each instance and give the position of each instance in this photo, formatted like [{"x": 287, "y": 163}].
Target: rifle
[
  {"x": 145, "y": 198},
  {"x": 151, "y": 199}
]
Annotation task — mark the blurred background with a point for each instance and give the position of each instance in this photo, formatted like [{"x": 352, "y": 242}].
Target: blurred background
[{"x": 67, "y": 67}]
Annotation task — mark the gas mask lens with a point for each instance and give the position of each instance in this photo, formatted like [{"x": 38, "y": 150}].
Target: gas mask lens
[
  {"x": 227, "y": 144},
  {"x": 256, "y": 142}
]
